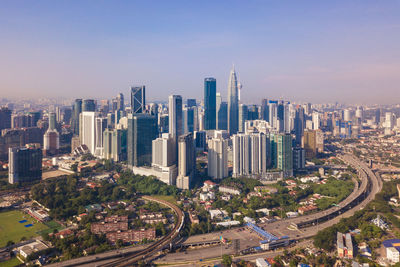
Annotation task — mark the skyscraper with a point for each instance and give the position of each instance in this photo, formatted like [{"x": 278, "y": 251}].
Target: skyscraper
[
  {"x": 120, "y": 102},
  {"x": 88, "y": 105},
  {"x": 77, "y": 108},
  {"x": 217, "y": 158},
  {"x": 243, "y": 114},
  {"x": 210, "y": 90},
  {"x": 250, "y": 154},
  {"x": 222, "y": 115},
  {"x": 142, "y": 130},
  {"x": 52, "y": 120},
  {"x": 188, "y": 119},
  {"x": 5, "y": 118},
  {"x": 299, "y": 124},
  {"x": 164, "y": 158},
  {"x": 264, "y": 110},
  {"x": 87, "y": 130},
  {"x": 190, "y": 102},
  {"x": 233, "y": 103},
  {"x": 138, "y": 99},
  {"x": 51, "y": 139},
  {"x": 186, "y": 161},
  {"x": 25, "y": 164},
  {"x": 175, "y": 116},
  {"x": 284, "y": 154}
]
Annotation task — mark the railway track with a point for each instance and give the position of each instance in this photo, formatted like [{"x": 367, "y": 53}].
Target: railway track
[{"x": 131, "y": 260}]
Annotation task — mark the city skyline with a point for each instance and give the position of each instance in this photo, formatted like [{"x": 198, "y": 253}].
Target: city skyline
[{"x": 311, "y": 52}]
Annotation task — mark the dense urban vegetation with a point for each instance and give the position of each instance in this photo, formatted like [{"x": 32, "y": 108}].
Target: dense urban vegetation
[{"x": 326, "y": 238}]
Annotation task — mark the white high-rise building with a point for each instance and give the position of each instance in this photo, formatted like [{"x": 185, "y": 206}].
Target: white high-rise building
[
  {"x": 250, "y": 154},
  {"x": 233, "y": 103},
  {"x": 164, "y": 159},
  {"x": 360, "y": 113},
  {"x": 218, "y": 158},
  {"x": 186, "y": 161},
  {"x": 390, "y": 119},
  {"x": 163, "y": 153},
  {"x": 175, "y": 116},
  {"x": 286, "y": 116},
  {"x": 87, "y": 130},
  {"x": 273, "y": 115},
  {"x": 315, "y": 120},
  {"x": 100, "y": 126},
  {"x": 347, "y": 115}
]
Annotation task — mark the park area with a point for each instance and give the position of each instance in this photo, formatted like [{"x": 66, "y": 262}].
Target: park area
[{"x": 15, "y": 225}]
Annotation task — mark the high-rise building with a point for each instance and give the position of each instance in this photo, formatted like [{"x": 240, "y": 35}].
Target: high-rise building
[
  {"x": 264, "y": 110},
  {"x": 188, "y": 119},
  {"x": 250, "y": 155},
  {"x": 77, "y": 108},
  {"x": 89, "y": 105},
  {"x": 200, "y": 138},
  {"x": 191, "y": 102},
  {"x": 115, "y": 144},
  {"x": 210, "y": 91},
  {"x": 5, "y": 118},
  {"x": 51, "y": 142},
  {"x": 100, "y": 126},
  {"x": 35, "y": 117},
  {"x": 299, "y": 124},
  {"x": 120, "y": 102},
  {"x": 142, "y": 130},
  {"x": 347, "y": 115},
  {"x": 222, "y": 116},
  {"x": 25, "y": 164},
  {"x": 87, "y": 130},
  {"x": 51, "y": 139},
  {"x": 284, "y": 153},
  {"x": 273, "y": 114},
  {"x": 299, "y": 158},
  {"x": 175, "y": 116},
  {"x": 52, "y": 121},
  {"x": 138, "y": 99},
  {"x": 243, "y": 114},
  {"x": 186, "y": 161},
  {"x": 313, "y": 143},
  {"x": 164, "y": 159},
  {"x": 233, "y": 103},
  {"x": 316, "y": 120},
  {"x": 378, "y": 116},
  {"x": 217, "y": 158},
  {"x": 252, "y": 113}
]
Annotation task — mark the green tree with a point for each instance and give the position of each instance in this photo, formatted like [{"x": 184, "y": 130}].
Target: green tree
[{"x": 227, "y": 260}]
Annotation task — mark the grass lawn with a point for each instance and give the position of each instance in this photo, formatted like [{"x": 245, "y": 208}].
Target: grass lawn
[
  {"x": 169, "y": 199},
  {"x": 11, "y": 229},
  {"x": 52, "y": 225},
  {"x": 11, "y": 263}
]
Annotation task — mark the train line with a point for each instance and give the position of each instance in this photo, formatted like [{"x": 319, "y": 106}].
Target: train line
[{"x": 156, "y": 246}]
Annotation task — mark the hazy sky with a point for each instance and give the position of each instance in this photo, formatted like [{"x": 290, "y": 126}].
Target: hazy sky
[{"x": 318, "y": 51}]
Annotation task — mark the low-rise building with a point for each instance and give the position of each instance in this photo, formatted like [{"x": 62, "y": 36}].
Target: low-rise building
[
  {"x": 131, "y": 236},
  {"x": 30, "y": 248},
  {"x": 344, "y": 245},
  {"x": 153, "y": 218},
  {"x": 229, "y": 190}
]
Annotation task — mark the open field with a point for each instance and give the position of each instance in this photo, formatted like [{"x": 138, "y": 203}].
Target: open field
[
  {"x": 169, "y": 199},
  {"x": 11, "y": 229},
  {"x": 10, "y": 263}
]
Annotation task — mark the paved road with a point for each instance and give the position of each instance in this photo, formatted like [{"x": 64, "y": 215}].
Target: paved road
[{"x": 280, "y": 228}]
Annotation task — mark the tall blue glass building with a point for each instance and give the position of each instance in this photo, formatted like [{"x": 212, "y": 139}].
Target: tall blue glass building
[{"x": 210, "y": 105}]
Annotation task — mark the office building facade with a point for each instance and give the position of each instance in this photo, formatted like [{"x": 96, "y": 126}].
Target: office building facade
[{"x": 210, "y": 91}]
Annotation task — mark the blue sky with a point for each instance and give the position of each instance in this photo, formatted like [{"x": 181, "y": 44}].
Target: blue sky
[{"x": 318, "y": 51}]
